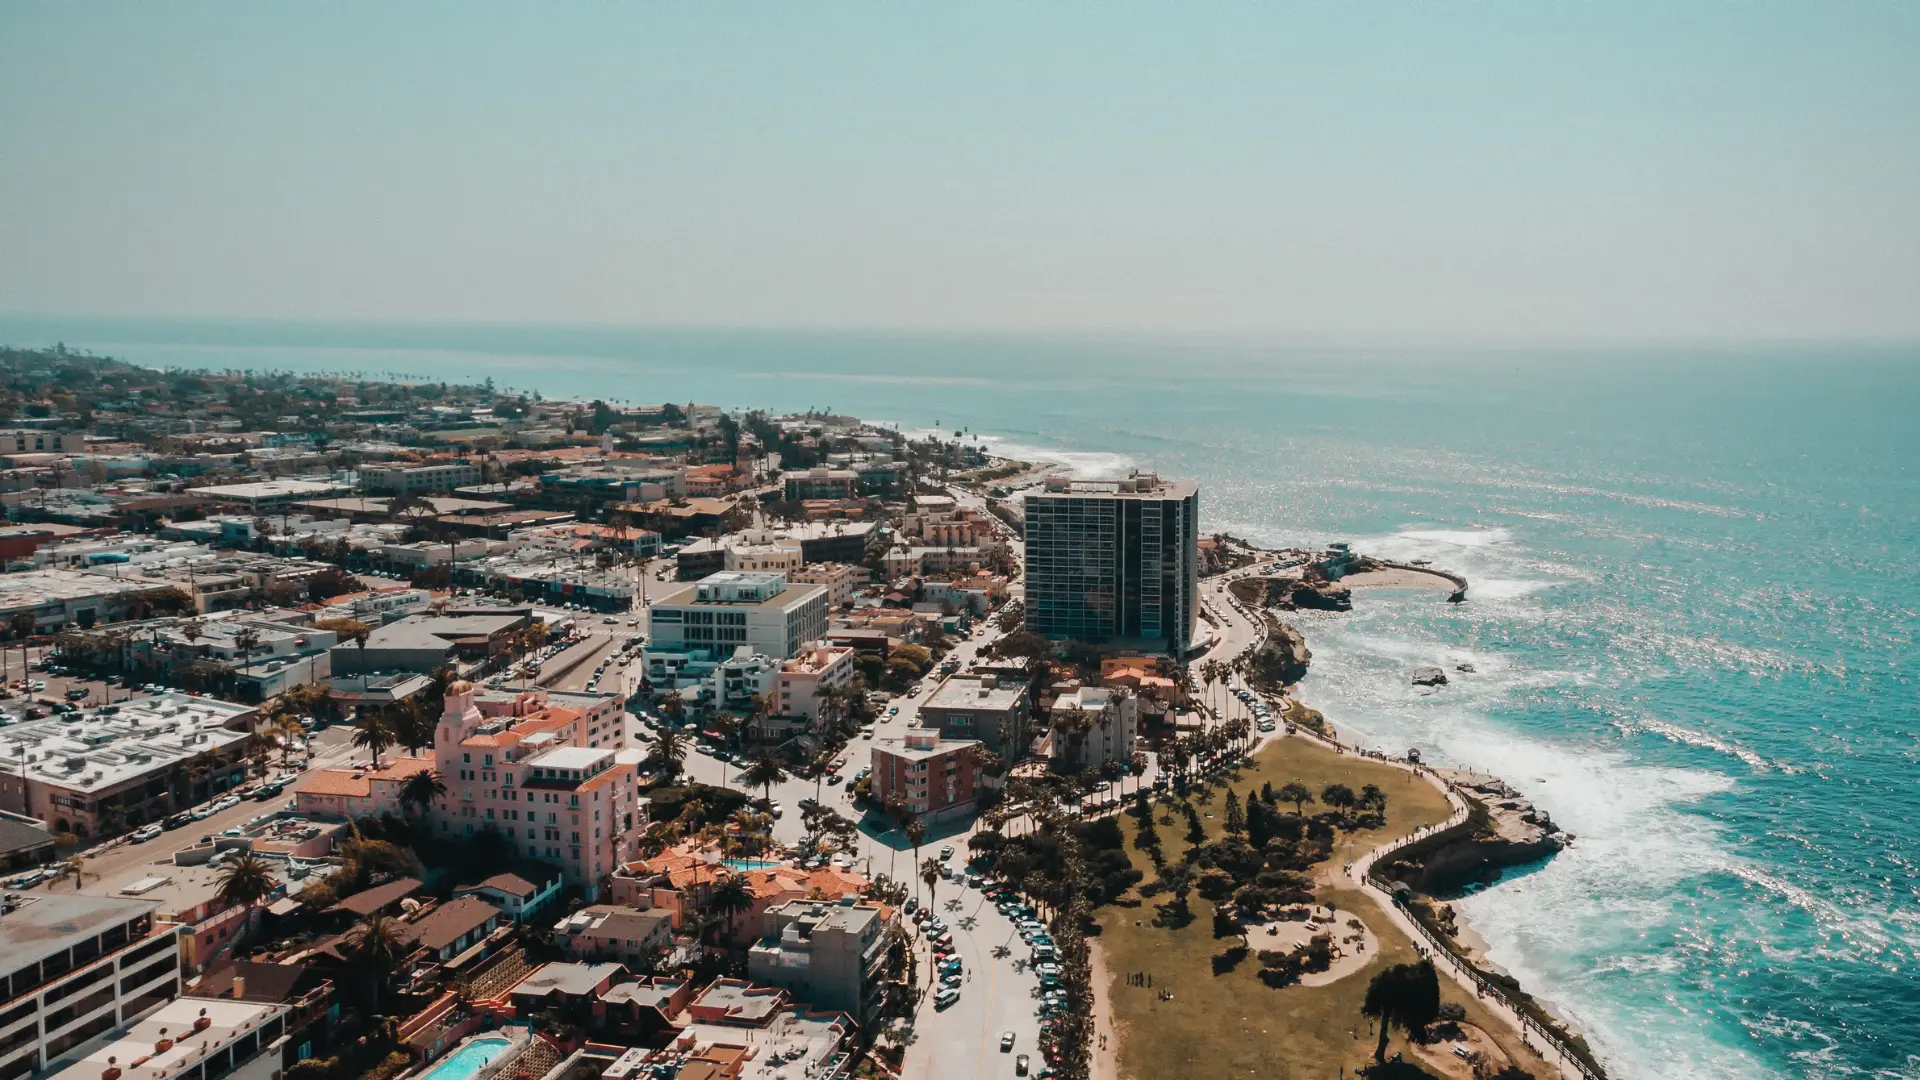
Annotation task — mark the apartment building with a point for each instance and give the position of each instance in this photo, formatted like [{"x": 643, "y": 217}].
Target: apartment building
[
  {"x": 615, "y": 933},
  {"x": 716, "y": 615},
  {"x": 1114, "y": 560},
  {"x": 841, "y": 580},
  {"x": 830, "y": 955},
  {"x": 75, "y": 968},
  {"x": 533, "y": 775},
  {"x": 803, "y": 678},
  {"x": 936, "y": 777},
  {"x": 103, "y": 773},
  {"x": 820, "y": 483},
  {"x": 204, "y": 1038},
  {"x": 417, "y": 479},
  {"x": 1092, "y": 724},
  {"x": 984, "y": 706}
]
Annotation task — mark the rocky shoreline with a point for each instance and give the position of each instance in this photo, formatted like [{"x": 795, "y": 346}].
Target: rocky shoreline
[{"x": 1502, "y": 830}]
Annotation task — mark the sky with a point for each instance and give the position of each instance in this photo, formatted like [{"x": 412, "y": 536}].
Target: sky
[{"x": 1412, "y": 172}]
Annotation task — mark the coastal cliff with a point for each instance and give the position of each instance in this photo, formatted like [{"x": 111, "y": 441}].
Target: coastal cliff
[{"x": 1503, "y": 829}]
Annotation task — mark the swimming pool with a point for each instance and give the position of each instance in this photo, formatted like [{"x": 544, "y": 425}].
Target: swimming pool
[
  {"x": 751, "y": 864},
  {"x": 469, "y": 1059}
]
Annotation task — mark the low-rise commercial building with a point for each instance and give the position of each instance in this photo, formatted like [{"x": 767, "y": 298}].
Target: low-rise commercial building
[
  {"x": 421, "y": 643},
  {"x": 108, "y": 773},
  {"x": 60, "y": 598},
  {"x": 267, "y": 496},
  {"x": 342, "y": 794},
  {"x": 715, "y": 616}
]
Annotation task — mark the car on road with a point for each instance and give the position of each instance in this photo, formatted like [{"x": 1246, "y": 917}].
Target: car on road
[
  {"x": 75, "y": 693},
  {"x": 893, "y": 710},
  {"x": 1006, "y": 1041},
  {"x": 27, "y": 880},
  {"x": 947, "y": 996},
  {"x": 946, "y": 852},
  {"x": 145, "y": 833},
  {"x": 1020, "y": 1065}
]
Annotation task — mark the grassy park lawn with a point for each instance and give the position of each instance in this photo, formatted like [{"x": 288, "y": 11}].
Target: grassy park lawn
[{"x": 1232, "y": 1024}]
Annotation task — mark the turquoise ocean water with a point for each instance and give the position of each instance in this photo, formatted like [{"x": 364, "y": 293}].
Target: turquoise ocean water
[{"x": 1693, "y": 611}]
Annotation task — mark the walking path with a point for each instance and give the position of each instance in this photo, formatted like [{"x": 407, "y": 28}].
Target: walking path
[{"x": 1545, "y": 1043}]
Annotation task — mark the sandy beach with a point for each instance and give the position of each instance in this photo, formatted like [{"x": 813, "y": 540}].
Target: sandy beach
[{"x": 1397, "y": 578}]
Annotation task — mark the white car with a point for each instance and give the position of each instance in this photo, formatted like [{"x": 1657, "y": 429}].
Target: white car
[{"x": 145, "y": 834}]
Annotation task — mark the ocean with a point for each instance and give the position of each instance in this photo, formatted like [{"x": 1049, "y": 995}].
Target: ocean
[{"x": 1692, "y": 617}]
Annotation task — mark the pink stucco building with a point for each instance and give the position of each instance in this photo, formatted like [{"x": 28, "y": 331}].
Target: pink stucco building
[{"x": 545, "y": 775}]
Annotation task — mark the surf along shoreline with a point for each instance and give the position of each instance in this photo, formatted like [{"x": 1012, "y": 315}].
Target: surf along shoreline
[{"x": 1412, "y": 877}]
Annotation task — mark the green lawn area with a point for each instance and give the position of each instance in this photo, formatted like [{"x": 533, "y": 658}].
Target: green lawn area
[{"x": 1233, "y": 1024}]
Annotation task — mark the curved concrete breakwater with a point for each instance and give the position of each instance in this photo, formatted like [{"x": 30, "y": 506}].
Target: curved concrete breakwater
[{"x": 1491, "y": 828}]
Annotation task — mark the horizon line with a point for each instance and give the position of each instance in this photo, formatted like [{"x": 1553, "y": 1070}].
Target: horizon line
[{"x": 1244, "y": 339}]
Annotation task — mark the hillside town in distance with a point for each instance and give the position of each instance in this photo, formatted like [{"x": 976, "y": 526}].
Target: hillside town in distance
[{"x": 359, "y": 728}]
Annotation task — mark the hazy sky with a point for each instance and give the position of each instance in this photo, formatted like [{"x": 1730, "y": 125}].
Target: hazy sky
[{"x": 1430, "y": 171}]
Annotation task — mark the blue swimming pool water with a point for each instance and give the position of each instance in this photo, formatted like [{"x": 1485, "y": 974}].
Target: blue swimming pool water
[
  {"x": 469, "y": 1059},
  {"x": 750, "y": 864}
]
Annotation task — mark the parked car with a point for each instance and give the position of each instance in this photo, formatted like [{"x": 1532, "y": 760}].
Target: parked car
[
  {"x": 145, "y": 833},
  {"x": 1020, "y": 1065},
  {"x": 947, "y": 996},
  {"x": 1006, "y": 1041}
]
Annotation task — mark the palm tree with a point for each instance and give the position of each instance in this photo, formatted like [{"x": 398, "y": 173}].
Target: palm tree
[
  {"x": 1406, "y": 996},
  {"x": 245, "y": 880},
  {"x": 669, "y": 753},
  {"x": 930, "y": 873},
  {"x": 763, "y": 772},
  {"x": 245, "y": 640},
  {"x": 22, "y": 625},
  {"x": 916, "y": 832},
  {"x": 1296, "y": 793},
  {"x": 374, "y": 735},
  {"x": 819, "y": 765},
  {"x": 422, "y": 789},
  {"x": 77, "y": 866},
  {"x": 673, "y": 707},
  {"x": 729, "y": 899},
  {"x": 378, "y": 947},
  {"x": 412, "y": 727}
]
